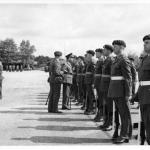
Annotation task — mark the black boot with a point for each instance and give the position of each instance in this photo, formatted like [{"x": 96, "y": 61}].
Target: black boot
[
  {"x": 108, "y": 122},
  {"x": 115, "y": 135},
  {"x": 142, "y": 134},
  {"x": 98, "y": 117}
]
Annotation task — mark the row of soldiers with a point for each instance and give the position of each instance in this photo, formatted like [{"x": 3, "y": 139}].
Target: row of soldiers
[
  {"x": 113, "y": 79},
  {"x": 12, "y": 68}
]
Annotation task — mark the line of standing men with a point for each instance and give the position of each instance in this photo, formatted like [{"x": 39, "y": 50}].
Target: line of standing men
[{"x": 114, "y": 80}]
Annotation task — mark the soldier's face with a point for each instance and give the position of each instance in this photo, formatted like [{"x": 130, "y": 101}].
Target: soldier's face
[
  {"x": 89, "y": 56},
  {"x": 98, "y": 54},
  {"x": 147, "y": 46},
  {"x": 117, "y": 49},
  {"x": 71, "y": 59},
  {"x": 106, "y": 52}
]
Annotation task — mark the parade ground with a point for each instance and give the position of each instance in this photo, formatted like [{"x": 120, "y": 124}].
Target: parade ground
[{"x": 25, "y": 120}]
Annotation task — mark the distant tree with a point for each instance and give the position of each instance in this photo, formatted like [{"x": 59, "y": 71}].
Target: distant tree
[
  {"x": 8, "y": 47},
  {"x": 136, "y": 59},
  {"x": 26, "y": 48},
  {"x": 42, "y": 60}
]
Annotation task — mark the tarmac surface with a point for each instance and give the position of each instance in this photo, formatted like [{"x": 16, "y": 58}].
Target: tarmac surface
[{"x": 25, "y": 120}]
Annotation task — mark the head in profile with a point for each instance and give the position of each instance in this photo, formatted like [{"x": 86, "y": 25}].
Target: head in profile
[
  {"x": 58, "y": 54},
  {"x": 118, "y": 46}
]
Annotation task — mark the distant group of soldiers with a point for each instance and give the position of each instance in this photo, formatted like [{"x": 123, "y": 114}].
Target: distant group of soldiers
[
  {"x": 12, "y": 68},
  {"x": 104, "y": 88}
]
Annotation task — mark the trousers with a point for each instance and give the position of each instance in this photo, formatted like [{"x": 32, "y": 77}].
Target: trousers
[
  {"x": 90, "y": 97},
  {"x": 145, "y": 116},
  {"x": 124, "y": 112},
  {"x": 54, "y": 97},
  {"x": 66, "y": 94}
]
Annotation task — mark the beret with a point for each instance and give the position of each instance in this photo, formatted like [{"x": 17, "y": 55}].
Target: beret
[
  {"x": 67, "y": 56},
  {"x": 58, "y": 53},
  {"x": 146, "y": 37},
  {"x": 108, "y": 47},
  {"x": 99, "y": 50},
  {"x": 91, "y": 52},
  {"x": 81, "y": 57},
  {"x": 119, "y": 42}
]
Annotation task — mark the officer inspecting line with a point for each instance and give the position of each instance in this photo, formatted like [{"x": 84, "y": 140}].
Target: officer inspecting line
[{"x": 114, "y": 78}]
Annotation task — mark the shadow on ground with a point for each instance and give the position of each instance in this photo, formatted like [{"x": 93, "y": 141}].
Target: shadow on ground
[
  {"x": 63, "y": 140},
  {"x": 59, "y": 119},
  {"x": 59, "y": 128}
]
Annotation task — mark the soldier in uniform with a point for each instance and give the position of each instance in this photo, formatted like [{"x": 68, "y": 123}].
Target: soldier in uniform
[
  {"x": 134, "y": 77},
  {"x": 55, "y": 83},
  {"x": 10, "y": 68},
  {"x": 68, "y": 77},
  {"x": 89, "y": 81},
  {"x": 105, "y": 81},
  {"x": 97, "y": 80},
  {"x": 120, "y": 89},
  {"x": 74, "y": 88},
  {"x": 1, "y": 79},
  {"x": 84, "y": 83},
  {"x": 144, "y": 86},
  {"x": 79, "y": 79}
]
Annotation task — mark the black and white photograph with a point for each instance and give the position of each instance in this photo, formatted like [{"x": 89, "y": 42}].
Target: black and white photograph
[{"x": 75, "y": 73}]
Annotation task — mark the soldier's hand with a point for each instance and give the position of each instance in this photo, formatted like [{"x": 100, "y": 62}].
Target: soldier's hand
[
  {"x": 61, "y": 72},
  {"x": 93, "y": 86},
  {"x": 127, "y": 98}
]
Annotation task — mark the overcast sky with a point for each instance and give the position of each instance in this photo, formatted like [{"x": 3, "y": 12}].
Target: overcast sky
[{"x": 75, "y": 27}]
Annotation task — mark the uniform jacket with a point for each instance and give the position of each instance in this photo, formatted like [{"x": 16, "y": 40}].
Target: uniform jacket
[
  {"x": 134, "y": 73},
  {"x": 144, "y": 75},
  {"x": 56, "y": 70},
  {"x": 120, "y": 88},
  {"x": 98, "y": 71},
  {"x": 134, "y": 78},
  {"x": 80, "y": 73},
  {"x": 68, "y": 77},
  {"x": 106, "y": 71},
  {"x": 89, "y": 75}
]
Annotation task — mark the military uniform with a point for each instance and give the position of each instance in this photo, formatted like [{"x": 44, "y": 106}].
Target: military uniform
[
  {"x": 74, "y": 88},
  {"x": 120, "y": 87},
  {"x": 68, "y": 77},
  {"x": 55, "y": 85},
  {"x": 97, "y": 80},
  {"x": 134, "y": 77},
  {"x": 89, "y": 81},
  {"x": 144, "y": 94},
  {"x": 79, "y": 81},
  {"x": 84, "y": 87},
  {"x": 105, "y": 81}
]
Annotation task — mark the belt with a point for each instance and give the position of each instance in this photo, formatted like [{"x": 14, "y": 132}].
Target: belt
[
  {"x": 68, "y": 73},
  {"x": 144, "y": 83},
  {"x": 80, "y": 74},
  {"x": 117, "y": 78},
  {"x": 89, "y": 73},
  {"x": 106, "y": 76},
  {"x": 97, "y": 75}
]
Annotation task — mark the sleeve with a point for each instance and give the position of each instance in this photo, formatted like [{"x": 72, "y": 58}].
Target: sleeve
[
  {"x": 126, "y": 72},
  {"x": 93, "y": 72},
  {"x": 57, "y": 69},
  {"x": 133, "y": 71}
]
